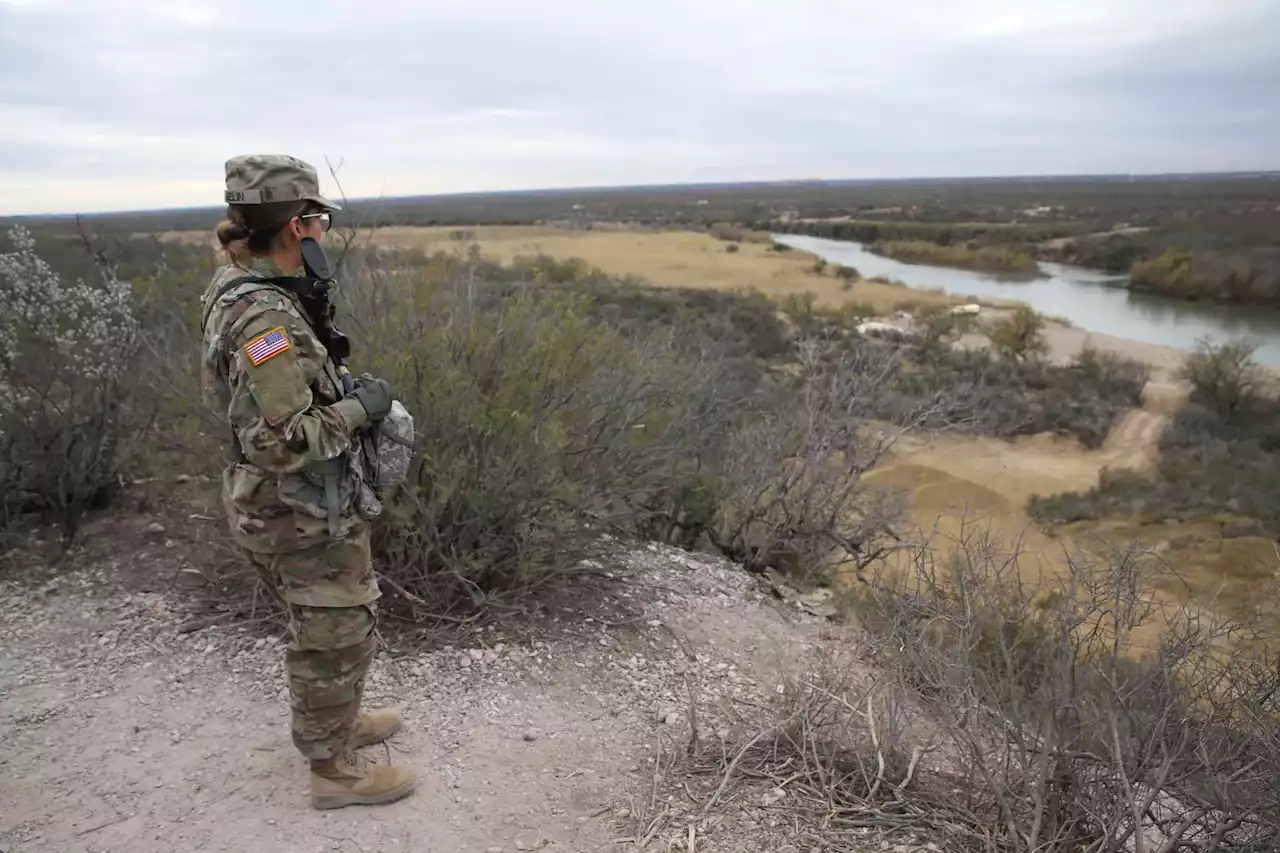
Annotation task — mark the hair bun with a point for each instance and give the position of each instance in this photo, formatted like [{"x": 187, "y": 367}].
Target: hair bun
[{"x": 230, "y": 232}]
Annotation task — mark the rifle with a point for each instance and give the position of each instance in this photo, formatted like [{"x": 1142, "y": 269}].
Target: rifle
[{"x": 313, "y": 292}]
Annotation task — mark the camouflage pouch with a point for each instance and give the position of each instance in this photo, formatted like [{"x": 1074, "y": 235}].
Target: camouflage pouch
[
  {"x": 327, "y": 490},
  {"x": 393, "y": 445},
  {"x": 368, "y": 506}
]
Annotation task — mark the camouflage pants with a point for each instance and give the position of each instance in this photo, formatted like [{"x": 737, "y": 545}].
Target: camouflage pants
[{"x": 331, "y": 647}]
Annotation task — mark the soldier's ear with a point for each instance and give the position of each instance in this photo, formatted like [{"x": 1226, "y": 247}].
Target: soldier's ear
[{"x": 294, "y": 230}]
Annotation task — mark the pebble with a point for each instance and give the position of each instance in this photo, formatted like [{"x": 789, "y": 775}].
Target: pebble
[
  {"x": 493, "y": 850},
  {"x": 530, "y": 735},
  {"x": 155, "y": 528}
]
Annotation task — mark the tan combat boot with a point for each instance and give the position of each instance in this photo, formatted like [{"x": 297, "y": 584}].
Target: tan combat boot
[
  {"x": 353, "y": 780},
  {"x": 375, "y": 727}
]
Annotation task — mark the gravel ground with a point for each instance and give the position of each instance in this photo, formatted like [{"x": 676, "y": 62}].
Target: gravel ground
[{"x": 121, "y": 733}]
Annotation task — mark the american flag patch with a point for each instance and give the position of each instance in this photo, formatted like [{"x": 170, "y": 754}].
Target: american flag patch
[{"x": 267, "y": 345}]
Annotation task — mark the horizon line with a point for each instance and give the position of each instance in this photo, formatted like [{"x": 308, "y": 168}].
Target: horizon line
[{"x": 596, "y": 188}]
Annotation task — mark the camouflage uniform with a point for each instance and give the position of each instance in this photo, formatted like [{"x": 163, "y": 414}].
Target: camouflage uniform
[{"x": 268, "y": 377}]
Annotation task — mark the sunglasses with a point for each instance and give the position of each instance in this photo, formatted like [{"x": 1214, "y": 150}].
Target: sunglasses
[{"x": 326, "y": 221}]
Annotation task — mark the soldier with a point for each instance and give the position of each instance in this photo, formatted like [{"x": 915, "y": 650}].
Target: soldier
[{"x": 294, "y": 494}]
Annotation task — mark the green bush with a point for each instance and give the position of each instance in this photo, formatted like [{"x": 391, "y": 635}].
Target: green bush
[
  {"x": 1021, "y": 336},
  {"x": 1169, "y": 274},
  {"x": 942, "y": 326},
  {"x": 997, "y": 258},
  {"x": 534, "y": 421}
]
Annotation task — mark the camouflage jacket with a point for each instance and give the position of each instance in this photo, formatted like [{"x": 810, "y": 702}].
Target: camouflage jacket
[{"x": 266, "y": 374}]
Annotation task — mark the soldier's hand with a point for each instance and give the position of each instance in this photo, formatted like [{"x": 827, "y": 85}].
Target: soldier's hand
[{"x": 374, "y": 394}]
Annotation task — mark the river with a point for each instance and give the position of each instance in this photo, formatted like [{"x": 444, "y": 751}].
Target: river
[{"x": 1090, "y": 299}]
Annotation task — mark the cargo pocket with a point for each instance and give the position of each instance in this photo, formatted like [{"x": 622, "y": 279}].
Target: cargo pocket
[
  {"x": 305, "y": 494},
  {"x": 243, "y": 497},
  {"x": 311, "y": 494}
]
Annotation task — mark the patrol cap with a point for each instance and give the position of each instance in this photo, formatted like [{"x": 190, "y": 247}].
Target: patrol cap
[{"x": 264, "y": 178}]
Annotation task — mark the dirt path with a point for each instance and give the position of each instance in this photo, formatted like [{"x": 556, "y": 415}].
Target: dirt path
[
  {"x": 959, "y": 485},
  {"x": 1132, "y": 443},
  {"x": 120, "y": 733}
]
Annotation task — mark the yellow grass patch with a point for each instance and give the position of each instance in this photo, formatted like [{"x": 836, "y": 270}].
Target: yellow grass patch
[{"x": 674, "y": 259}]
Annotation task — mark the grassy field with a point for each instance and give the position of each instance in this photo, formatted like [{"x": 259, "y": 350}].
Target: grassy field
[{"x": 676, "y": 259}]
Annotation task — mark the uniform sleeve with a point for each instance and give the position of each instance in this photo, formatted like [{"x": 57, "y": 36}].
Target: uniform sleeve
[{"x": 275, "y": 359}]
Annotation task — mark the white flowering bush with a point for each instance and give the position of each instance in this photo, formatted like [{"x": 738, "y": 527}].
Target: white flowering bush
[{"x": 66, "y": 355}]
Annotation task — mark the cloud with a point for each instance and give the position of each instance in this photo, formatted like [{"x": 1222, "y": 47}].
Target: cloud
[{"x": 106, "y": 104}]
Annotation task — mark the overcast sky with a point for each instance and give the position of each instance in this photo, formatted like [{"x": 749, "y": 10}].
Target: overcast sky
[{"x": 128, "y": 104}]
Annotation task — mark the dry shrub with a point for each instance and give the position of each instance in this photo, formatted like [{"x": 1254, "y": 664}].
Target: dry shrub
[
  {"x": 1080, "y": 715},
  {"x": 1223, "y": 376},
  {"x": 538, "y": 429},
  {"x": 1084, "y": 398},
  {"x": 1117, "y": 375},
  {"x": 792, "y": 495}
]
